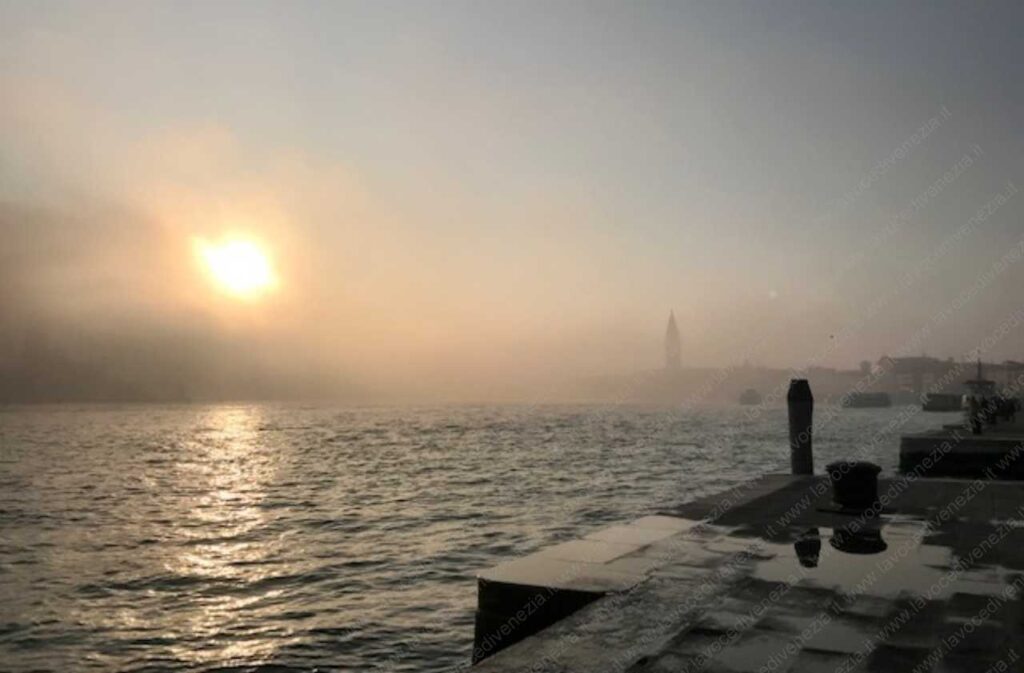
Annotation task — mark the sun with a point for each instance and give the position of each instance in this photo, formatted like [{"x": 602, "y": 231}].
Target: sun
[{"x": 239, "y": 266}]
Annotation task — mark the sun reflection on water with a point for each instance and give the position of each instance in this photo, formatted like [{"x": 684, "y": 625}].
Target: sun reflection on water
[{"x": 226, "y": 471}]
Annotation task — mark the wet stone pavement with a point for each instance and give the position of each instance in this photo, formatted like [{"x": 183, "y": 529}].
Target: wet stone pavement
[{"x": 771, "y": 576}]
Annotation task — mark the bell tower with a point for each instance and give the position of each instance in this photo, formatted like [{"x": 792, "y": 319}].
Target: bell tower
[{"x": 673, "y": 350}]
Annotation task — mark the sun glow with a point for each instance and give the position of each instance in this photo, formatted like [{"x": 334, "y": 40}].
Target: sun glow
[{"x": 239, "y": 266}]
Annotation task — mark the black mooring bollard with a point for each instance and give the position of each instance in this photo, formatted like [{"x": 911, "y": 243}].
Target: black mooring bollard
[{"x": 801, "y": 411}]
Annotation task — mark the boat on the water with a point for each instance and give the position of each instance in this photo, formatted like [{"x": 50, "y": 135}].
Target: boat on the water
[
  {"x": 750, "y": 397},
  {"x": 865, "y": 400},
  {"x": 941, "y": 402}
]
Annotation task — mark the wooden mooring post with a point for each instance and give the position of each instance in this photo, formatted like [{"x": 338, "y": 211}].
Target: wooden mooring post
[{"x": 800, "y": 403}]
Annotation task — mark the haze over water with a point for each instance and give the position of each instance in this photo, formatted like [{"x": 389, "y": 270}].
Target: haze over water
[{"x": 484, "y": 201}]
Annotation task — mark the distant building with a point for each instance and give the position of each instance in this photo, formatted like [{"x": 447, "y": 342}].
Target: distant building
[
  {"x": 673, "y": 349},
  {"x": 918, "y": 375}
]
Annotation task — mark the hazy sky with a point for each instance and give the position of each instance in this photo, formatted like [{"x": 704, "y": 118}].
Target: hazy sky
[{"x": 513, "y": 189}]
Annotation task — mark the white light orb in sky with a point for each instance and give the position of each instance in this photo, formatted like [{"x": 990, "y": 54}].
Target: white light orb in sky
[{"x": 238, "y": 266}]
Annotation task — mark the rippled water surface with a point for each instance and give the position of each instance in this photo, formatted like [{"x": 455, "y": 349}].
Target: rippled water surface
[{"x": 196, "y": 538}]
